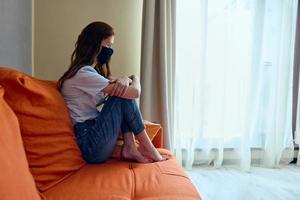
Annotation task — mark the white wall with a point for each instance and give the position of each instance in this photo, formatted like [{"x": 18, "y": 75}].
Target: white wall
[
  {"x": 15, "y": 34},
  {"x": 57, "y": 24}
]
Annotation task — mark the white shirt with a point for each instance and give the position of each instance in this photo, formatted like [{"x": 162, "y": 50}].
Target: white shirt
[{"x": 82, "y": 93}]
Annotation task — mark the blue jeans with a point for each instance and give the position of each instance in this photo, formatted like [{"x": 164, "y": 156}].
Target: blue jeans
[{"x": 97, "y": 138}]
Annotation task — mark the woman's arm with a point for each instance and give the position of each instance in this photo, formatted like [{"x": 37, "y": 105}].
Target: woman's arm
[{"x": 122, "y": 87}]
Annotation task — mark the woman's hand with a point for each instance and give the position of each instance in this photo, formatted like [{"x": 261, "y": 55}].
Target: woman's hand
[
  {"x": 124, "y": 87},
  {"x": 121, "y": 85}
]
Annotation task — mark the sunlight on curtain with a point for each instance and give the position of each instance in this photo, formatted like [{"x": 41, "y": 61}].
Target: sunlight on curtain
[{"x": 233, "y": 81}]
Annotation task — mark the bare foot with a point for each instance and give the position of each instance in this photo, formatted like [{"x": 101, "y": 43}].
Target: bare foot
[
  {"x": 152, "y": 153},
  {"x": 132, "y": 154}
]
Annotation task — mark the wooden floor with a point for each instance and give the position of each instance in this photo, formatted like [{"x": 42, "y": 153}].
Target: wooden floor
[{"x": 229, "y": 183}]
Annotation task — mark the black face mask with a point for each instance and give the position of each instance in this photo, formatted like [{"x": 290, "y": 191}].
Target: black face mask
[{"x": 104, "y": 55}]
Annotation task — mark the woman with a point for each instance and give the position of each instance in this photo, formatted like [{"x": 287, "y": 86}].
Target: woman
[{"x": 100, "y": 105}]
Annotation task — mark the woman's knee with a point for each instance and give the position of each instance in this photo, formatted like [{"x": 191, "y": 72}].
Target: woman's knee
[{"x": 127, "y": 103}]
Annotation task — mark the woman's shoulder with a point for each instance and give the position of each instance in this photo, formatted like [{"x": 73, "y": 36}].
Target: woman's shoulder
[{"x": 89, "y": 73}]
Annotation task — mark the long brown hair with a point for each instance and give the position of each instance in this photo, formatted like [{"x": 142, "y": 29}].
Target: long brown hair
[{"x": 87, "y": 47}]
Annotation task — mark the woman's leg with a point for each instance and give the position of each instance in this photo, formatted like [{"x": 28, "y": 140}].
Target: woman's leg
[
  {"x": 146, "y": 147},
  {"x": 97, "y": 139},
  {"x": 129, "y": 149}
]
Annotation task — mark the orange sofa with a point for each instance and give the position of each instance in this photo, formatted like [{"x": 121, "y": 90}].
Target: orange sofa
[{"x": 40, "y": 159}]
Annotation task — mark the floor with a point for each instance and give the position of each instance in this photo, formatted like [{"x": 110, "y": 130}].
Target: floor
[{"x": 229, "y": 183}]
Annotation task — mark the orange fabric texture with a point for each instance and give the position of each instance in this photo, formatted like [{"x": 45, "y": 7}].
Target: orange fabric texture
[
  {"x": 16, "y": 181},
  {"x": 124, "y": 180},
  {"x": 46, "y": 129},
  {"x": 155, "y": 133},
  {"x": 164, "y": 180}
]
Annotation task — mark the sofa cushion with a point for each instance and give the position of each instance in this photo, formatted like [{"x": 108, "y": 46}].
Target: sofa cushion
[
  {"x": 46, "y": 128},
  {"x": 110, "y": 180},
  {"x": 16, "y": 181},
  {"x": 163, "y": 180},
  {"x": 125, "y": 181},
  {"x": 155, "y": 133}
]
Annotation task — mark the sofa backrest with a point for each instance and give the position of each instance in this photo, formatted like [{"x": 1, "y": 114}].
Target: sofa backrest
[
  {"x": 16, "y": 181},
  {"x": 45, "y": 125}
]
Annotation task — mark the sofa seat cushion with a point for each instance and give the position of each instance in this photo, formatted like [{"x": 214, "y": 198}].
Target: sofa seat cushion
[
  {"x": 94, "y": 182},
  {"x": 163, "y": 181},
  {"x": 45, "y": 124},
  {"x": 118, "y": 179},
  {"x": 16, "y": 181}
]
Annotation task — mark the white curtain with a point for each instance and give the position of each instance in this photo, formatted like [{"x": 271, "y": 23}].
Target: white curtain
[{"x": 233, "y": 82}]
